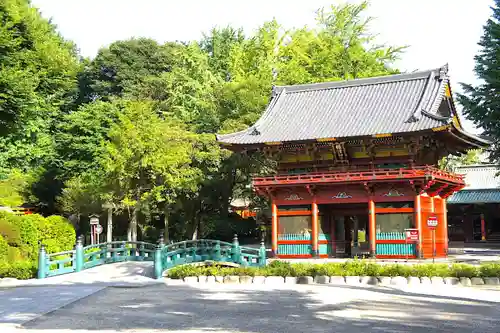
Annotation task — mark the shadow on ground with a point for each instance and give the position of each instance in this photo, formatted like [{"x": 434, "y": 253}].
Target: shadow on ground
[{"x": 224, "y": 308}]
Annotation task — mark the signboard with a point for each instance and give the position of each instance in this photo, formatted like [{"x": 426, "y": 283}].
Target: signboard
[
  {"x": 98, "y": 229},
  {"x": 432, "y": 222},
  {"x": 411, "y": 235},
  {"x": 94, "y": 220}
]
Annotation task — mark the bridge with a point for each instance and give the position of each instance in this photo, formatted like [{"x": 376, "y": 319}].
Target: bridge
[{"x": 163, "y": 256}]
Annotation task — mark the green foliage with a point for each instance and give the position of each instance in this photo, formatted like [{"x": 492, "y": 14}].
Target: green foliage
[
  {"x": 348, "y": 268},
  {"x": 58, "y": 234},
  {"x": 30, "y": 232},
  {"x": 9, "y": 228},
  {"x": 4, "y": 249},
  {"x": 21, "y": 270},
  {"x": 449, "y": 163},
  {"x": 481, "y": 103}
]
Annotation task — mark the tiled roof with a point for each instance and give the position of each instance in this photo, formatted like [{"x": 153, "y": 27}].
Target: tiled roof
[
  {"x": 475, "y": 197},
  {"x": 480, "y": 177},
  {"x": 364, "y": 107},
  {"x": 482, "y": 185}
]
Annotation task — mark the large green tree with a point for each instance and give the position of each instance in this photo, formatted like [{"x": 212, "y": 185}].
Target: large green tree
[
  {"x": 481, "y": 102},
  {"x": 37, "y": 80}
]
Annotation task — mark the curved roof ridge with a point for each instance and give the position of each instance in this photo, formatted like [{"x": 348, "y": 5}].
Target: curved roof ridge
[{"x": 418, "y": 75}]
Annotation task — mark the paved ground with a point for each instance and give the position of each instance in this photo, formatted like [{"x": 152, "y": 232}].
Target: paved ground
[{"x": 254, "y": 308}]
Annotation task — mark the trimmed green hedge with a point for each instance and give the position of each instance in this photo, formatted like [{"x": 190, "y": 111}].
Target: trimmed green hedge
[
  {"x": 19, "y": 237},
  {"x": 349, "y": 268}
]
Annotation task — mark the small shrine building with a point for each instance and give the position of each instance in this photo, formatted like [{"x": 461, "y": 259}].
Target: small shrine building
[{"x": 357, "y": 165}]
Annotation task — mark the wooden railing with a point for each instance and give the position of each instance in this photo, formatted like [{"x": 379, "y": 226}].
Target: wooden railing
[
  {"x": 163, "y": 256},
  {"x": 360, "y": 175}
]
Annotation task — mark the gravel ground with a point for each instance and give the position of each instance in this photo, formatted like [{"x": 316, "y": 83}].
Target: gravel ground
[{"x": 264, "y": 308}]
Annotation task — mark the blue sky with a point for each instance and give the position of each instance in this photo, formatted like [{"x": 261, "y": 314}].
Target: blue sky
[{"x": 437, "y": 31}]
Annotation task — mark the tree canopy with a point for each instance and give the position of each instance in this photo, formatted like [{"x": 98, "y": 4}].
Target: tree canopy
[
  {"x": 482, "y": 102},
  {"x": 134, "y": 126}
]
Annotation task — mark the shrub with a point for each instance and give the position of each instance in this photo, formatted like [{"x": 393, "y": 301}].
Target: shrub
[
  {"x": 29, "y": 227},
  {"x": 4, "y": 249},
  {"x": 58, "y": 234},
  {"x": 21, "y": 270},
  {"x": 442, "y": 270},
  {"x": 489, "y": 270},
  {"x": 9, "y": 228},
  {"x": 464, "y": 270}
]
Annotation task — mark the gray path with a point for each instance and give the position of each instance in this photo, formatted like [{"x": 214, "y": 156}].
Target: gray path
[
  {"x": 290, "y": 309},
  {"x": 19, "y": 305}
]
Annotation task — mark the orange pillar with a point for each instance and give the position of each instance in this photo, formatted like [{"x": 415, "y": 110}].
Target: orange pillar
[
  {"x": 483, "y": 228},
  {"x": 371, "y": 226},
  {"x": 314, "y": 238},
  {"x": 445, "y": 226},
  {"x": 274, "y": 228},
  {"x": 418, "y": 222}
]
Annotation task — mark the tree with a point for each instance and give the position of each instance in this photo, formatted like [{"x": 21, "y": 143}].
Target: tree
[
  {"x": 123, "y": 65},
  {"x": 449, "y": 163},
  {"x": 481, "y": 103},
  {"x": 37, "y": 78}
]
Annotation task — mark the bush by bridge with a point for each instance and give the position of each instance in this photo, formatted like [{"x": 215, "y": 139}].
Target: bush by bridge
[
  {"x": 19, "y": 237},
  {"x": 349, "y": 268}
]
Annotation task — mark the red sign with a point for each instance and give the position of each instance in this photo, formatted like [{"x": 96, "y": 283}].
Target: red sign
[
  {"x": 411, "y": 235},
  {"x": 432, "y": 222}
]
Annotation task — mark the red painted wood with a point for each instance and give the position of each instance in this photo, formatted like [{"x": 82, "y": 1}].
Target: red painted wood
[
  {"x": 294, "y": 213},
  {"x": 294, "y": 242},
  {"x": 393, "y": 210},
  {"x": 314, "y": 226},
  {"x": 391, "y": 241},
  {"x": 274, "y": 227},
  {"x": 294, "y": 256},
  {"x": 372, "y": 225},
  {"x": 385, "y": 256}
]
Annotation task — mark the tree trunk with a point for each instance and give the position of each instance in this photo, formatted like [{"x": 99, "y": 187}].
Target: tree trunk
[
  {"x": 133, "y": 225},
  {"x": 109, "y": 231},
  {"x": 166, "y": 235},
  {"x": 195, "y": 232}
]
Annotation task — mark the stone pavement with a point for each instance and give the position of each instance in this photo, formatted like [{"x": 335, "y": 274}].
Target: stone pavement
[{"x": 265, "y": 308}]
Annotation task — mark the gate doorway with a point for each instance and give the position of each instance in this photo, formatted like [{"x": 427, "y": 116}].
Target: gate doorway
[{"x": 344, "y": 227}]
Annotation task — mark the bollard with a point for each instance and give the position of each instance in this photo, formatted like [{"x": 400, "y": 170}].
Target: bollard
[
  {"x": 157, "y": 261},
  {"x": 79, "y": 255},
  {"x": 42, "y": 266},
  {"x": 262, "y": 254},
  {"x": 236, "y": 250}
]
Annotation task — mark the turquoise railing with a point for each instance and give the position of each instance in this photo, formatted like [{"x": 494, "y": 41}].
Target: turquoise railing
[
  {"x": 163, "y": 256},
  {"x": 302, "y": 249},
  {"x": 325, "y": 248},
  {"x": 294, "y": 249},
  {"x": 394, "y": 249}
]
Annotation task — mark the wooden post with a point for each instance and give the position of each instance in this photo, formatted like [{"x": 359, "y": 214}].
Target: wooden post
[
  {"x": 274, "y": 228},
  {"x": 418, "y": 222},
  {"x": 445, "y": 226},
  {"x": 483, "y": 228},
  {"x": 372, "y": 228},
  {"x": 314, "y": 238}
]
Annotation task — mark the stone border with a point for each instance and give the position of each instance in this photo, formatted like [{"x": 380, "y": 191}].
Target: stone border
[{"x": 346, "y": 280}]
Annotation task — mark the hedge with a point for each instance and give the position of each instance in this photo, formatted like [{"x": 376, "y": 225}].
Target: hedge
[
  {"x": 19, "y": 237},
  {"x": 349, "y": 268}
]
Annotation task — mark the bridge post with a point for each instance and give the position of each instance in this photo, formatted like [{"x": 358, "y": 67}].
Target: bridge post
[
  {"x": 158, "y": 265},
  {"x": 42, "y": 267},
  {"x": 217, "y": 254},
  {"x": 236, "y": 250},
  {"x": 79, "y": 255},
  {"x": 262, "y": 254}
]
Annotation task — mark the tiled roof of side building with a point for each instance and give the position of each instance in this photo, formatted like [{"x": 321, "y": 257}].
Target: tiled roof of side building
[
  {"x": 363, "y": 107},
  {"x": 480, "y": 177}
]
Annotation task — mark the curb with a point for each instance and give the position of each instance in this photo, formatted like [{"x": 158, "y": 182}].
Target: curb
[{"x": 411, "y": 281}]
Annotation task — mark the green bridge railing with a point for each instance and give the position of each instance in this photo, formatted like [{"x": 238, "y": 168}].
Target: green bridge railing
[{"x": 163, "y": 256}]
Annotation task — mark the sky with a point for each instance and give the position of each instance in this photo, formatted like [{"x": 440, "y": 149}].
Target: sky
[{"x": 436, "y": 31}]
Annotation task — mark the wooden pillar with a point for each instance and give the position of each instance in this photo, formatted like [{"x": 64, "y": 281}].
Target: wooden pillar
[
  {"x": 274, "y": 228},
  {"x": 445, "y": 225},
  {"x": 418, "y": 222},
  {"x": 372, "y": 228},
  {"x": 314, "y": 238},
  {"x": 483, "y": 228}
]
